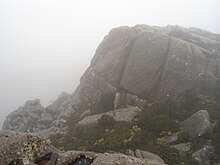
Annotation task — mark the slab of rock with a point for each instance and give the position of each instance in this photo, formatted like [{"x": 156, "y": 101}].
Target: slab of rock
[
  {"x": 198, "y": 124},
  {"x": 202, "y": 156},
  {"x": 124, "y": 114},
  {"x": 183, "y": 148}
]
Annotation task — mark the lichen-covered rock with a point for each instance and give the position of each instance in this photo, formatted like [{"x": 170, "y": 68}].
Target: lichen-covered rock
[
  {"x": 14, "y": 145},
  {"x": 198, "y": 124},
  {"x": 30, "y": 149}
]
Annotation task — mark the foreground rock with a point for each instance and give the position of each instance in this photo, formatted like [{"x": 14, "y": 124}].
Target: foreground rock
[
  {"x": 198, "y": 124},
  {"x": 30, "y": 149}
]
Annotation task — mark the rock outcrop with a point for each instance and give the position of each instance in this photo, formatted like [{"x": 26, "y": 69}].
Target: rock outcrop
[
  {"x": 152, "y": 62},
  {"x": 135, "y": 64},
  {"x": 26, "y": 118},
  {"x": 30, "y": 149},
  {"x": 33, "y": 117}
]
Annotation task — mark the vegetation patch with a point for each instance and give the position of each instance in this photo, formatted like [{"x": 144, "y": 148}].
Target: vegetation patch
[{"x": 150, "y": 130}]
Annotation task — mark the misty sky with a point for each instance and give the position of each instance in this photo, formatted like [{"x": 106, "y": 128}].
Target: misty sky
[{"x": 46, "y": 45}]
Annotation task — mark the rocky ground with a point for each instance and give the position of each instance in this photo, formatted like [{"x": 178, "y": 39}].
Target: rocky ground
[{"x": 31, "y": 149}]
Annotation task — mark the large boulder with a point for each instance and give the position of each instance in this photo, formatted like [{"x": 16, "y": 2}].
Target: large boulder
[
  {"x": 30, "y": 149},
  {"x": 153, "y": 62},
  {"x": 198, "y": 124},
  {"x": 123, "y": 114}
]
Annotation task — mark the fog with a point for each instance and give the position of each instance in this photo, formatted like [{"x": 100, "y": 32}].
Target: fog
[{"x": 46, "y": 45}]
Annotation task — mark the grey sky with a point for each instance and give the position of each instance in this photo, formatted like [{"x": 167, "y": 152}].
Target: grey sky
[{"x": 46, "y": 45}]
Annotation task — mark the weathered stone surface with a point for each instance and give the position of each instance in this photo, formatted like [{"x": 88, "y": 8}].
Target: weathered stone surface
[
  {"x": 46, "y": 118},
  {"x": 130, "y": 152},
  {"x": 159, "y": 62},
  {"x": 198, "y": 124},
  {"x": 110, "y": 159},
  {"x": 183, "y": 148},
  {"x": 202, "y": 156},
  {"x": 124, "y": 114},
  {"x": 31, "y": 149},
  {"x": 25, "y": 118},
  {"x": 33, "y": 117},
  {"x": 149, "y": 157},
  {"x": 14, "y": 145}
]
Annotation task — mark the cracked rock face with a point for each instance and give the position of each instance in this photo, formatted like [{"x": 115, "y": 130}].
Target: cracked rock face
[
  {"x": 30, "y": 149},
  {"x": 158, "y": 62}
]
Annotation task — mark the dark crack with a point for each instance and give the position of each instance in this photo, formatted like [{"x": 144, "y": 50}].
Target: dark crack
[
  {"x": 49, "y": 157},
  {"x": 82, "y": 160}
]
